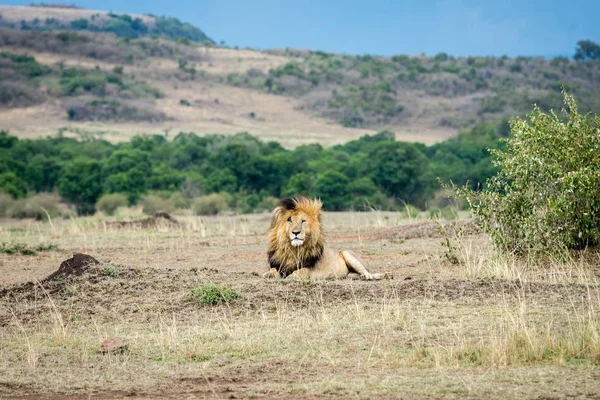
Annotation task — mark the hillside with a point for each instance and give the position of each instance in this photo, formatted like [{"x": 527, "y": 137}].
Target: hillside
[
  {"x": 43, "y": 18},
  {"x": 94, "y": 78}
]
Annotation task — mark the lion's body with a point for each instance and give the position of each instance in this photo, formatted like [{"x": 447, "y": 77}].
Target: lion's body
[{"x": 297, "y": 247}]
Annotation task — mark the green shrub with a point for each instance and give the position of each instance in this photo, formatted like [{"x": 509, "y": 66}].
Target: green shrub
[
  {"x": 211, "y": 204},
  {"x": 109, "y": 203},
  {"x": 267, "y": 204},
  {"x": 210, "y": 293},
  {"x": 178, "y": 200},
  {"x": 152, "y": 204},
  {"x": 546, "y": 198}
]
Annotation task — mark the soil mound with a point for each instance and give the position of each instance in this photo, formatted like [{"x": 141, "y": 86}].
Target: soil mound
[{"x": 76, "y": 265}]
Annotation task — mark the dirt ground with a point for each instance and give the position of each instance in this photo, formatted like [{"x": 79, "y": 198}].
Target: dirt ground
[{"x": 437, "y": 330}]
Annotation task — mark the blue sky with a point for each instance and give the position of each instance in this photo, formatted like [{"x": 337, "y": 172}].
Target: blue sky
[{"x": 384, "y": 27}]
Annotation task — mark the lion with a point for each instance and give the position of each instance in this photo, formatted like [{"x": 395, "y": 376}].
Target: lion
[{"x": 297, "y": 246}]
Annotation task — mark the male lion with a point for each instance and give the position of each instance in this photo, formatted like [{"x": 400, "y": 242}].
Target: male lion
[{"x": 297, "y": 247}]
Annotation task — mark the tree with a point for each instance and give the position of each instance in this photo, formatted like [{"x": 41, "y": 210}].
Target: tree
[
  {"x": 332, "y": 188},
  {"x": 81, "y": 184},
  {"x": 587, "y": 50},
  {"x": 10, "y": 183},
  {"x": 299, "y": 184},
  {"x": 401, "y": 170},
  {"x": 42, "y": 173},
  {"x": 221, "y": 180}
]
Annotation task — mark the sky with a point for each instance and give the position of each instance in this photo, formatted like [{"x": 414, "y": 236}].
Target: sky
[{"x": 382, "y": 27}]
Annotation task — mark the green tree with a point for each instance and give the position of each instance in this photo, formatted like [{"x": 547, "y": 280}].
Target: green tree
[
  {"x": 131, "y": 182},
  {"x": 332, "y": 188},
  {"x": 10, "y": 183},
  {"x": 42, "y": 173},
  {"x": 587, "y": 50},
  {"x": 81, "y": 183},
  {"x": 299, "y": 184},
  {"x": 221, "y": 180},
  {"x": 401, "y": 170},
  {"x": 7, "y": 141}
]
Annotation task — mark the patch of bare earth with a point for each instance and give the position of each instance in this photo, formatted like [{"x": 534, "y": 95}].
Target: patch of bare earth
[{"x": 425, "y": 334}]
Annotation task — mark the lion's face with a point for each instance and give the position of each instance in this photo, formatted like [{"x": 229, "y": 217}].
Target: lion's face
[{"x": 297, "y": 228}]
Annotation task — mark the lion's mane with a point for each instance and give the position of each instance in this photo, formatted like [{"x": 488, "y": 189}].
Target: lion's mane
[{"x": 282, "y": 255}]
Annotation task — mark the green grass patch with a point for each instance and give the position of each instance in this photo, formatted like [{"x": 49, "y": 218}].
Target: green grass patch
[
  {"x": 211, "y": 293},
  {"x": 20, "y": 248}
]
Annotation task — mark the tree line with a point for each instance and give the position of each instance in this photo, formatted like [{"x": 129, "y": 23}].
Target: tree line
[{"x": 374, "y": 171}]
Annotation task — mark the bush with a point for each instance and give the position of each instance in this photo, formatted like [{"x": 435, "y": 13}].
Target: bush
[
  {"x": 546, "y": 198},
  {"x": 210, "y": 293},
  {"x": 109, "y": 203},
  {"x": 6, "y": 203},
  {"x": 211, "y": 204},
  {"x": 38, "y": 207},
  {"x": 178, "y": 200},
  {"x": 152, "y": 204}
]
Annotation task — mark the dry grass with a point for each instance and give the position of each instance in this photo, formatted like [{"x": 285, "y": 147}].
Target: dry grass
[{"x": 466, "y": 330}]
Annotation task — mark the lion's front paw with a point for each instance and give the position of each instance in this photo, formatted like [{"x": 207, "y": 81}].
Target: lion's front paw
[{"x": 271, "y": 274}]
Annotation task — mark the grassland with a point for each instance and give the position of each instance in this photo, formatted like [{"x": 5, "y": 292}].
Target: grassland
[{"x": 485, "y": 327}]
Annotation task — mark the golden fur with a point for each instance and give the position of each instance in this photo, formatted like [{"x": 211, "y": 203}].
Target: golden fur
[{"x": 297, "y": 246}]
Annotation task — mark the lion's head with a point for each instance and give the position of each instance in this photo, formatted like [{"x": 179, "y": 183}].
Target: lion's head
[{"x": 295, "y": 238}]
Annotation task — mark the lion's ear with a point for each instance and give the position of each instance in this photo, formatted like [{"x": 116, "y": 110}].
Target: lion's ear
[{"x": 277, "y": 213}]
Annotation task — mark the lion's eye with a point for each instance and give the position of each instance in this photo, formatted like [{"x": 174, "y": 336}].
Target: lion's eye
[
  {"x": 290, "y": 219},
  {"x": 303, "y": 221}
]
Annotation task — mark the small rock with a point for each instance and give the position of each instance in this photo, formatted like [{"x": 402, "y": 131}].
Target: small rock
[{"x": 113, "y": 345}]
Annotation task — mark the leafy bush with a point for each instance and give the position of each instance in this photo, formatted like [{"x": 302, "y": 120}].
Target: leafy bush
[
  {"x": 210, "y": 293},
  {"x": 546, "y": 198},
  {"x": 39, "y": 207},
  {"x": 152, "y": 204},
  {"x": 6, "y": 203},
  {"x": 109, "y": 203},
  {"x": 211, "y": 204}
]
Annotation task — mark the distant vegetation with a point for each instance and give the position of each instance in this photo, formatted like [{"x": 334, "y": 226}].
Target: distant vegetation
[
  {"x": 363, "y": 91},
  {"x": 122, "y": 25},
  {"x": 24, "y": 77},
  {"x": 371, "y": 91},
  {"x": 211, "y": 173}
]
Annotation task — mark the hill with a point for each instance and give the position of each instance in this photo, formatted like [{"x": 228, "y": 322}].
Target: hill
[
  {"x": 65, "y": 17},
  {"x": 98, "y": 79}
]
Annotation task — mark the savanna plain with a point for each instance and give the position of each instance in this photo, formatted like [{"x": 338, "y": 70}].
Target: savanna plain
[{"x": 195, "y": 318}]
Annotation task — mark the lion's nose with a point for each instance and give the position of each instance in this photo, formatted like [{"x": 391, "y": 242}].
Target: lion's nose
[{"x": 296, "y": 233}]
